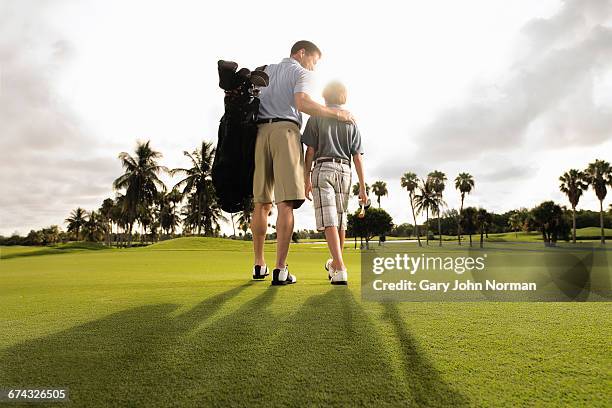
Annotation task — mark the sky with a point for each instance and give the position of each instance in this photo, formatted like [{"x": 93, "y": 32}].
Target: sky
[{"x": 515, "y": 93}]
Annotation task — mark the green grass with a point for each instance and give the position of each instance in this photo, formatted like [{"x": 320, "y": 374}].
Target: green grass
[
  {"x": 584, "y": 234},
  {"x": 7, "y": 252},
  {"x": 180, "y": 323},
  {"x": 593, "y": 232}
]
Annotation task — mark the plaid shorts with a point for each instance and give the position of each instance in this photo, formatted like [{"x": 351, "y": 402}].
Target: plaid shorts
[{"x": 331, "y": 186}]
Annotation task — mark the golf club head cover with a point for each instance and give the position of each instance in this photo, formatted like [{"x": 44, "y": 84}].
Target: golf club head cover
[
  {"x": 259, "y": 78},
  {"x": 227, "y": 74}
]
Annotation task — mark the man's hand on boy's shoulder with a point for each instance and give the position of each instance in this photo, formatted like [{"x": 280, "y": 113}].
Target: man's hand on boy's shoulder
[{"x": 344, "y": 116}]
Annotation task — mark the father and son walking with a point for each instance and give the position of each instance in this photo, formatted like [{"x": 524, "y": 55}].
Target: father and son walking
[{"x": 286, "y": 175}]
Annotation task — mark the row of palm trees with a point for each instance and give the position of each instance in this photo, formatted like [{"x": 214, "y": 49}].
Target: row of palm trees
[
  {"x": 574, "y": 182},
  {"x": 143, "y": 198},
  {"x": 426, "y": 196}
]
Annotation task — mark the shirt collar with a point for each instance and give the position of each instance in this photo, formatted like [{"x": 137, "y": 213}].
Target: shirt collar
[{"x": 291, "y": 60}]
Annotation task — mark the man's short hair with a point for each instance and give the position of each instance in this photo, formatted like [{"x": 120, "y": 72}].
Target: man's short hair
[
  {"x": 335, "y": 93},
  {"x": 308, "y": 46}
]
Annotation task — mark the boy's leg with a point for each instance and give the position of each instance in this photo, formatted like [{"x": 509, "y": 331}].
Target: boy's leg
[
  {"x": 342, "y": 195},
  {"x": 284, "y": 231},
  {"x": 333, "y": 242},
  {"x": 342, "y": 235}
]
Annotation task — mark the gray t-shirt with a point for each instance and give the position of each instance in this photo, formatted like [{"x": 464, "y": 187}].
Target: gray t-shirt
[
  {"x": 277, "y": 100},
  {"x": 332, "y": 138}
]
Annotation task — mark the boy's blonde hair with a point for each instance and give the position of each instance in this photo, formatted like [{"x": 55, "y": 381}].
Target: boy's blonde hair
[{"x": 335, "y": 93}]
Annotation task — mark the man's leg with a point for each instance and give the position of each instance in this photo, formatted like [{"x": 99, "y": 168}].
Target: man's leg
[
  {"x": 333, "y": 242},
  {"x": 259, "y": 226},
  {"x": 284, "y": 231}
]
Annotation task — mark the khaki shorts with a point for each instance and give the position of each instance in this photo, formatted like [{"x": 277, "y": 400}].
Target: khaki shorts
[
  {"x": 331, "y": 187},
  {"x": 279, "y": 164}
]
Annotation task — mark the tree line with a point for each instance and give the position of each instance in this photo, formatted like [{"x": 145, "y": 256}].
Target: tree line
[
  {"x": 426, "y": 196},
  {"x": 143, "y": 200}
]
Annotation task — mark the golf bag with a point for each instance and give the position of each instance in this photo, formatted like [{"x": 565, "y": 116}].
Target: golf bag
[{"x": 234, "y": 163}]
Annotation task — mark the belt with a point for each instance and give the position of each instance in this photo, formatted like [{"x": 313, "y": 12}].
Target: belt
[
  {"x": 273, "y": 120},
  {"x": 334, "y": 160}
]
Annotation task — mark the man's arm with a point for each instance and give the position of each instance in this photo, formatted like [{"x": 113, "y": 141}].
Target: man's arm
[
  {"x": 308, "y": 156},
  {"x": 305, "y": 104},
  {"x": 358, "y": 160}
]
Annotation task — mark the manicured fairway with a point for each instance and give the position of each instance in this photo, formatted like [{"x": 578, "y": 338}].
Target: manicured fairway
[{"x": 180, "y": 323}]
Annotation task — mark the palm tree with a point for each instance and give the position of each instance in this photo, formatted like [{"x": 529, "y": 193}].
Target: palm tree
[
  {"x": 196, "y": 217},
  {"x": 464, "y": 182},
  {"x": 549, "y": 218},
  {"x": 410, "y": 182},
  {"x": 425, "y": 201},
  {"x": 95, "y": 227},
  {"x": 244, "y": 217},
  {"x": 106, "y": 212},
  {"x": 482, "y": 222},
  {"x": 120, "y": 218},
  {"x": 146, "y": 220},
  {"x": 168, "y": 218},
  {"x": 50, "y": 235},
  {"x": 140, "y": 181},
  {"x": 437, "y": 179},
  {"x": 468, "y": 221},
  {"x": 515, "y": 223},
  {"x": 162, "y": 203},
  {"x": 213, "y": 215},
  {"x": 197, "y": 186},
  {"x": 379, "y": 189},
  {"x": 436, "y": 210},
  {"x": 598, "y": 175},
  {"x": 76, "y": 221},
  {"x": 572, "y": 184}
]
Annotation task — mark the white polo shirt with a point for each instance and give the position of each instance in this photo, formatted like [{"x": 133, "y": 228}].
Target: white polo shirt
[{"x": 277, "y": 99}]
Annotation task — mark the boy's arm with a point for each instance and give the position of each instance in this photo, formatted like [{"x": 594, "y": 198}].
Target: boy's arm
[
  {"x": 358, "y": 160},
  {"x": 308, "y": 156}
]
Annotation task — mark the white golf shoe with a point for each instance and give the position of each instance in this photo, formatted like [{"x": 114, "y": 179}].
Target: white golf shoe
[
  {"x": 282, "y": 277},
  {"x": 260, "y": 272},
  {"x": 339, "y": 277},
  {"x": 328, "y": 268}
]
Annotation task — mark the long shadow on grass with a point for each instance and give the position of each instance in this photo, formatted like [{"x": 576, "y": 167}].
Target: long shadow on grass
[
  {"x": 51, "y": 251},
  {"x": 423, "y": 379},
  {"x": 325, "y": 353},
  {"x": 120, "y": 360},
  {"x": 38, "y": 252},
  {"x": 329, "y": 353}
]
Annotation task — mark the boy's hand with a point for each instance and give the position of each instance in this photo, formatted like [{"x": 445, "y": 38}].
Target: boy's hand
[
  {"x": 363, "y": 197},
  {"x": 308, "y": 190}
]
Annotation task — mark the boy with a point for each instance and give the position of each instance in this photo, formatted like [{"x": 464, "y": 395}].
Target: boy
[{"x": 331, "y": 145}]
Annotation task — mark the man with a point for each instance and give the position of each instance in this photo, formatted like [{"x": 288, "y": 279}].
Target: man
[{"x": 279, "y": 161}]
